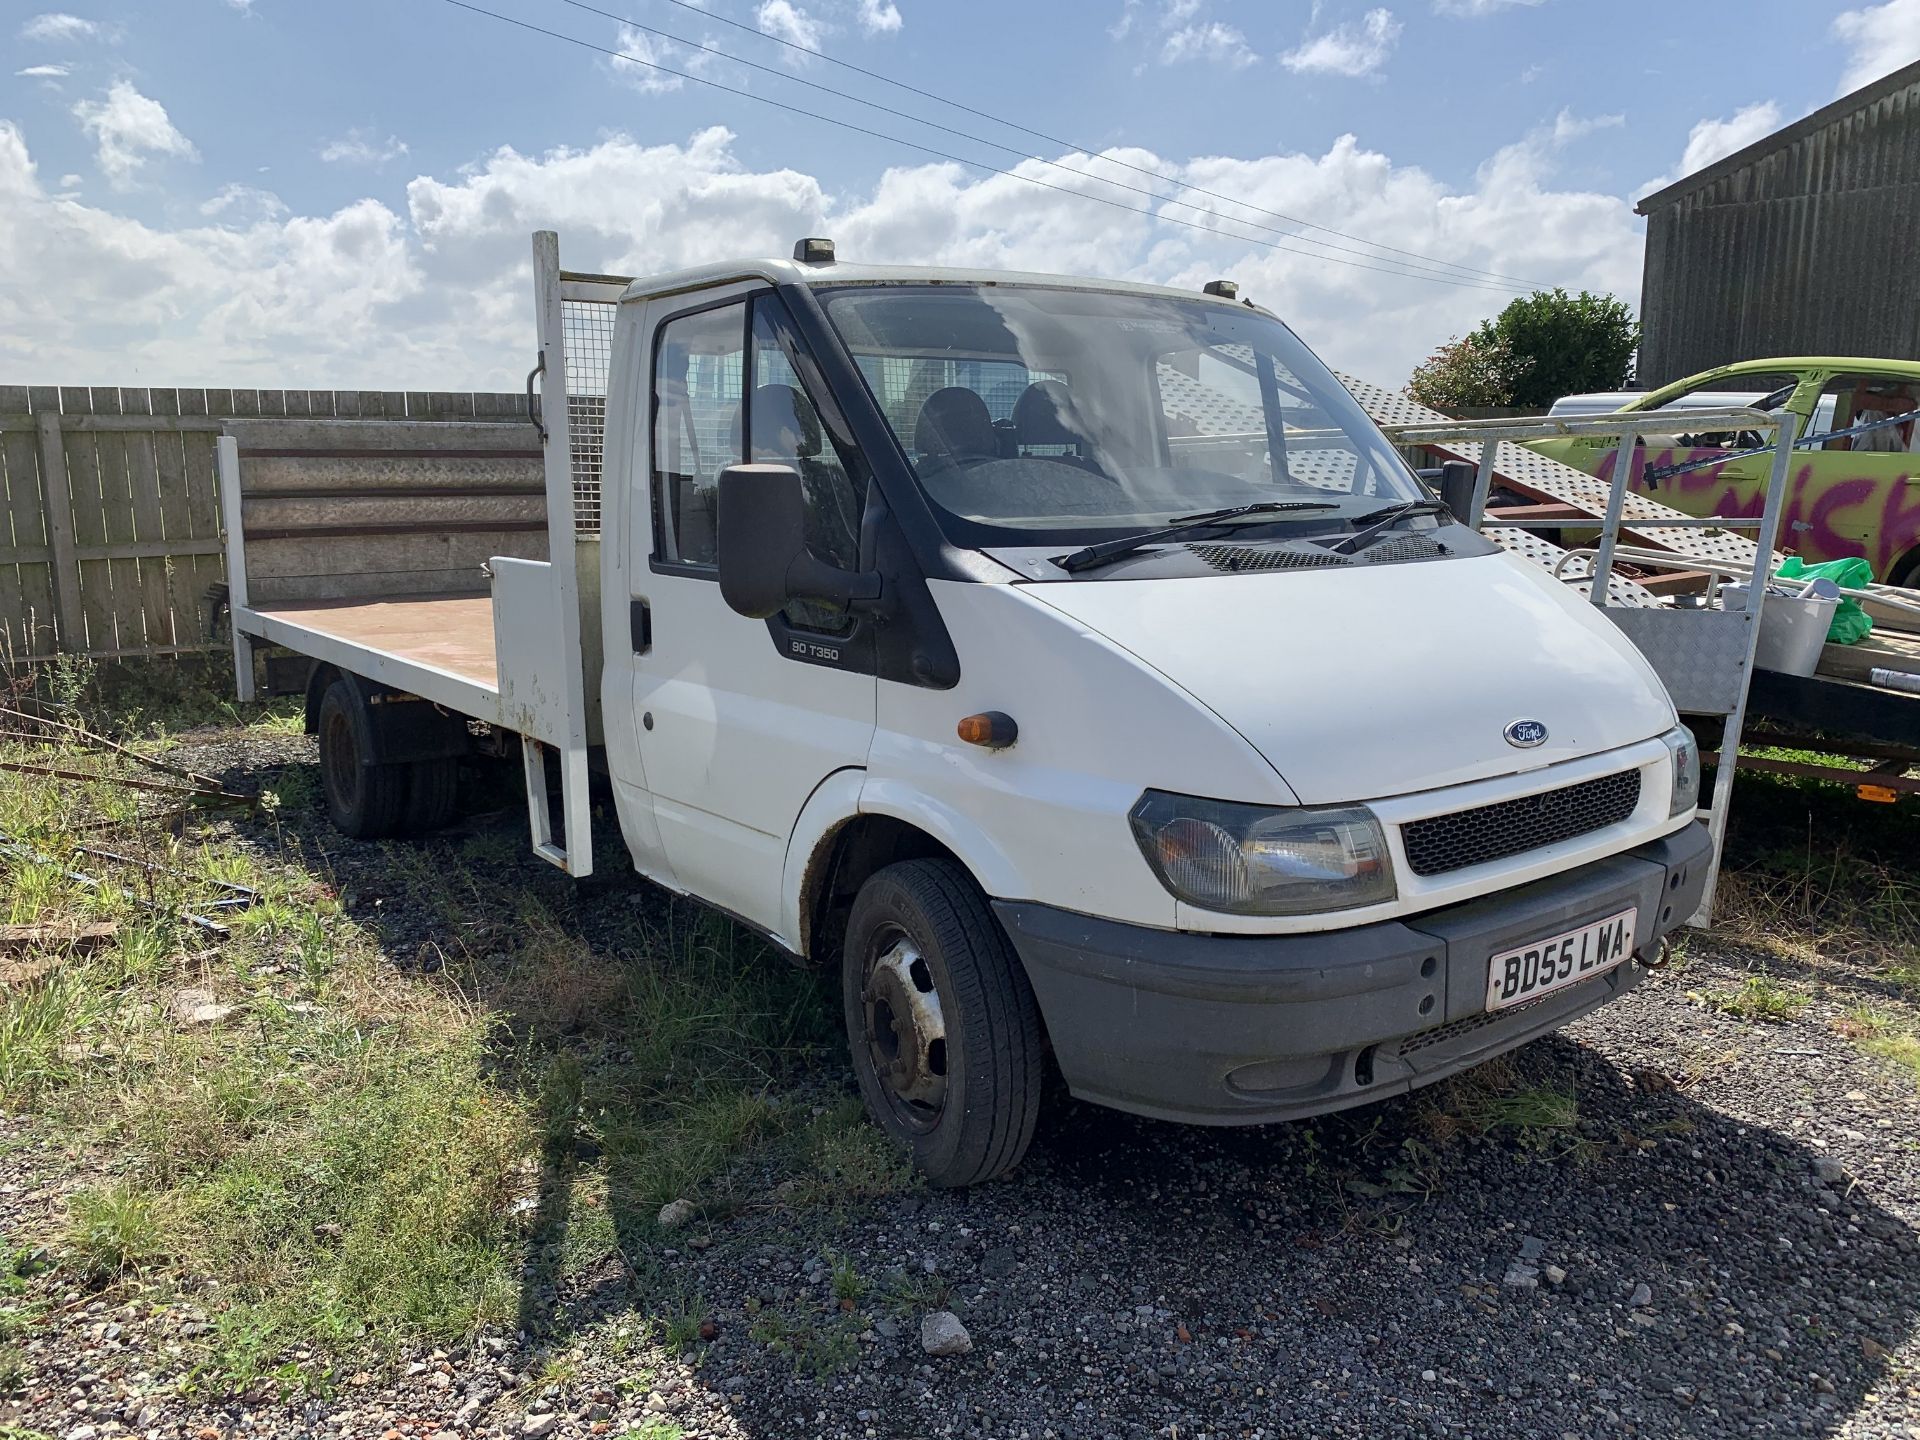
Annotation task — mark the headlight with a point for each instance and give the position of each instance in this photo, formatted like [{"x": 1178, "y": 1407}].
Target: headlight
[
  {"x": 1685, "y": 751},
  {"x": 1254, "y": 860}
]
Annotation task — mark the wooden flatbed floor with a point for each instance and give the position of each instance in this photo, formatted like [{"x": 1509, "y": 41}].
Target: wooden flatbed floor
[{"x": 437, "y": 646}]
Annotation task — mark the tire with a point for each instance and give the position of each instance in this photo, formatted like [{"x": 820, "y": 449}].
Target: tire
[
  {"x": 942, "y": 1023},
  {"x": 432, "y": 788},
  {"x": 364, "y": 801},
  {"x": 1906, "y": 572}
]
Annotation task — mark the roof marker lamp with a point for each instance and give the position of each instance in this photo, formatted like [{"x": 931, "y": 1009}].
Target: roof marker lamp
[{"x": 1258, "y": 860}]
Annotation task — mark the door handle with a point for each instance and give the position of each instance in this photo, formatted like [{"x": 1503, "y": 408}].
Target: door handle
[{"x": 640, "y": 626}]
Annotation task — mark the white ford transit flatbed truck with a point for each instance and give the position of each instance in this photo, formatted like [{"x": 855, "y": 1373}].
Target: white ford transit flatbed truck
[{"x": 1072, "y": 663}]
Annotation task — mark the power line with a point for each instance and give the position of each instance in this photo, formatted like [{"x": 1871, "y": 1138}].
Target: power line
[
  {"x": 938, "y": 99},
  {"x": 962, "y": 160},
  {"x": 1411, "y": 266}
]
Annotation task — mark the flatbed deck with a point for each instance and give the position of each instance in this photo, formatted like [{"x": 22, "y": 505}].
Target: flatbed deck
[{"x": 440, "y": 647}]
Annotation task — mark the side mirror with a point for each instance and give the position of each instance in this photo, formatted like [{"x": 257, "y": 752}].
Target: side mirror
[
  {"x": 761, "y": 535},
  {"x": 1458, "y": 480}
]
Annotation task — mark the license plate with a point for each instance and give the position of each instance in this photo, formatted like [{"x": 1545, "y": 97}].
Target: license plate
[{"x": 1544, "y": 966}]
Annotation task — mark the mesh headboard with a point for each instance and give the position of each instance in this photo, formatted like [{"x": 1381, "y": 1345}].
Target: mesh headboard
[{"x": 586, "y": 333}]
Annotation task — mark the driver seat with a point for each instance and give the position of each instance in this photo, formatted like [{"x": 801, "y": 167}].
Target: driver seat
[{"x": 955, "y": 425}]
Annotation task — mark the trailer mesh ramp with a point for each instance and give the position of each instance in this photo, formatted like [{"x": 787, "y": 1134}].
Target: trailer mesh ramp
[{"x": 1549, "y": 480}]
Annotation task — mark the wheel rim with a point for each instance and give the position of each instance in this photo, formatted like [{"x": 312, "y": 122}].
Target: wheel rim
[
  {"x": 340, "y": 762},
  {"x": 906, "y": 1029}
]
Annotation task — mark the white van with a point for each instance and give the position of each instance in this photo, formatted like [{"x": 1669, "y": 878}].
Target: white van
[{"x": 1075, "y": 666}]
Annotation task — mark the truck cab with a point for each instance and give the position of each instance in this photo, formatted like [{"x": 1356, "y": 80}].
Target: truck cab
[{"x": 1077, "y": 668}]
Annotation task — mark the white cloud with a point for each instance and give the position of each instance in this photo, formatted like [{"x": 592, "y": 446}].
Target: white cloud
[
  {"x": 127, "y": 129},
  {"x": 42, "y": 72},
  {"x": 235, "y": 200},
  {"x": 1569, "y": 126},
  {"x": 434, "y": 295},
  {"x": 245, "y": 7},
  {"x": 640, "y": 54},
  {"x": 88, "y": 294},
  {"x": 1348, "y": 48},
  {"x": 359, "y": 147},
  {"x": 1209, "y": 40},
  {"x": 1712, "y": 140},
  {"x": 880, "y": 17},
  {"x": 789, "y": 22},
  {"x": 1880, "y": 39},
  {"x": 59, "y": 28},
  {"x": 1475, "y": 9}
]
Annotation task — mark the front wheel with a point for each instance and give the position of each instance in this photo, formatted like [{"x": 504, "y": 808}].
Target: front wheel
[{"x": 942, "y": 1023}]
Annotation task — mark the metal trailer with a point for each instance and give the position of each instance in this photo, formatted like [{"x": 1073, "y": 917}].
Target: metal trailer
[
  {"x": 1675, "y": 554},
  {"x": 455, "y": 564},
  {"x": 1705, "y": 657}
]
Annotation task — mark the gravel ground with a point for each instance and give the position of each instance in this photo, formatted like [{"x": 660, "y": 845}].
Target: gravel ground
[{"x": 1724, "y": 1246}]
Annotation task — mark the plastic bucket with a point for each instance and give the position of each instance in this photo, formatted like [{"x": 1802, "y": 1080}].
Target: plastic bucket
[{"x": 1792, "y": 629}]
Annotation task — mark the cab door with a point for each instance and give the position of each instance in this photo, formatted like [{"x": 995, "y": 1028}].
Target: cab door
[{"x": 738, "y": 720}]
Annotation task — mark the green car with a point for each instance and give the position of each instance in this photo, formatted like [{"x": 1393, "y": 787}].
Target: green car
[{"x": 1856, "y": 494}]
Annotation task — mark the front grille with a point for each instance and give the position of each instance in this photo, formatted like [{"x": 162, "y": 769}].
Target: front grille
[
  {"x": 1239, "y": 559},
  {"x": 1510, "y": 827},
  {"x": 1454, "y": 1029}
]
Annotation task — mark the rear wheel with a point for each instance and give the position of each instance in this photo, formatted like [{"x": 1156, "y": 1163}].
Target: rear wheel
[
  {"x": 942, "y": 1023},
  {"x": 363, "y": 800},
  {"x": 432, "y": 786}
]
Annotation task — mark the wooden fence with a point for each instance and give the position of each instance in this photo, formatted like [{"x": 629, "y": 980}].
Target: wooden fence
[{"x": 110, "y": 532}]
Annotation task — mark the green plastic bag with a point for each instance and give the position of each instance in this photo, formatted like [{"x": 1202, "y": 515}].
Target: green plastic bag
[{"x": 1850, "y": 624}]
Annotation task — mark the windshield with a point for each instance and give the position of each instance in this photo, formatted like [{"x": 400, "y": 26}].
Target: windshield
[{"x": 1038, "y": 415}]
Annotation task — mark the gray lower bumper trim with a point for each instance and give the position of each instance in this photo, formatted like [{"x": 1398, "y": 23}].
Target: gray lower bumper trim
[{"x": 1239, "y": 1029}]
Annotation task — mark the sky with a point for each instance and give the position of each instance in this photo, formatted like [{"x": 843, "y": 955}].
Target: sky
[{"x": 296, "y": 194}]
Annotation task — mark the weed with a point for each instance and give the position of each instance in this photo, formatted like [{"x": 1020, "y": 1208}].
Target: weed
[
  {"x": 1413, "y": 1171},
  {"x": 848, "y": 1283},
  {"x": 1883, "y": 1034},
  {"x": 654, "y": 1430},
  {"x": 1756, "y": 999},
  {"x": 1492, "y": 1100},
  {"x": 42, "y": 1028},
  {"x": 848, "y": 1159},
  {"x": 680, "y": 1329},
  {"x": 114, "y": 1229},
  {"x": 817, "y": 1347},
  {"x": 905, "y": 1292}
]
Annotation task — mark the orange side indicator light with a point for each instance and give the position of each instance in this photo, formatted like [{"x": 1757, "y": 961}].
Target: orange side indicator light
[
  {"x": 993, "y": 729},
  {"x": 1878, "y": 794}
]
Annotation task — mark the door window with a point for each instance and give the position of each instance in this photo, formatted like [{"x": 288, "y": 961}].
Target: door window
[
  {"x": 784, "y": 427},
  {"x": 697, "y": 399},
  {"x": 1850, "y": 400}
]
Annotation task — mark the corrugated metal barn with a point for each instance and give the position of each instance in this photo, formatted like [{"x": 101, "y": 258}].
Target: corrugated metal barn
[{"x": 1804, "y": 243}]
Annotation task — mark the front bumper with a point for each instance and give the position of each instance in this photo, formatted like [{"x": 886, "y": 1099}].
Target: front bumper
[{"x": 1243, "y": 1029}]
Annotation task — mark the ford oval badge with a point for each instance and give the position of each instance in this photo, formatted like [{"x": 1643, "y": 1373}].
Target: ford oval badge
[{"x": 1526, "y": 734}]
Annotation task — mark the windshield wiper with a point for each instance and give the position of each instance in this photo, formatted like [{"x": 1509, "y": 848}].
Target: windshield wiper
[
  {"x": 1100, "y": 554},
  {"x": 1378, "y": 520}
]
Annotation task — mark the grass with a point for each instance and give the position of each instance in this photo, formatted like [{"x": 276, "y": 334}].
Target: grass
[
  {"x": 1816, "y": 878},
  {"x": 1757, "y": 999},
  {"x": 383, "y": 1148},
  {"x": 113, "y": 1230},
  {"x": 1493, "y": 1100},
  {"x": 1886, "y": 1035}
]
